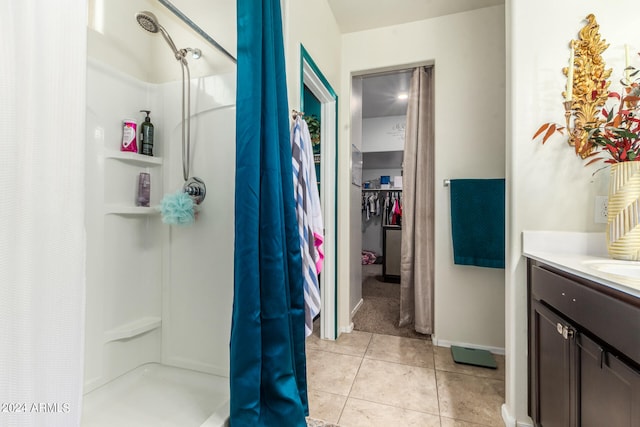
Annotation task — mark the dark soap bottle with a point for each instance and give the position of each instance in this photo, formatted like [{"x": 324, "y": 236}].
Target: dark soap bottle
[{"x": 146, "y": 135}]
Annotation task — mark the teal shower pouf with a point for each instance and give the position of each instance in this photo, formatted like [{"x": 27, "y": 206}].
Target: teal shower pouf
[{"x": 177, "y": 209}]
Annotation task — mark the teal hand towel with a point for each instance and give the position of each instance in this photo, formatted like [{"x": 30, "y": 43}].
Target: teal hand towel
[{"x": 477, "y": 222}]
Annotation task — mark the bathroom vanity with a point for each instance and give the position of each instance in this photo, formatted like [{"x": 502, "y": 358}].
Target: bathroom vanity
[{"x": 584, "y": 334}]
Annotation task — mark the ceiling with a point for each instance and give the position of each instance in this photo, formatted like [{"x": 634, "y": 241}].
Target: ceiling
[
  {"x": 358, "y": 15},
  {"x": 380, "y": 92}
]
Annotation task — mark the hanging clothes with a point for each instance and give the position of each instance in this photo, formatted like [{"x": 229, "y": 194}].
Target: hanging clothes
[
  {"x": 387, "y": 207},
  {"x": 396, "y": 210},
  {"x": 309, "y": 215}
]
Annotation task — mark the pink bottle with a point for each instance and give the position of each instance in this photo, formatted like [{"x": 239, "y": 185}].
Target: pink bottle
[{"x": 129, "y": 132}]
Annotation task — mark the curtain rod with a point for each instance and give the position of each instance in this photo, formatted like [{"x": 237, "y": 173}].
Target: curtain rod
[
  {"x": 407, "y": 68},
  {"x": 197, "y": 29}
]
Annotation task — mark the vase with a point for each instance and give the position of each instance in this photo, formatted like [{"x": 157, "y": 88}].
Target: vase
[{"x": 623, "y": 213}]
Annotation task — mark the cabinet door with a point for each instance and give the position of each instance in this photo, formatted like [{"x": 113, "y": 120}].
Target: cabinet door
[
  {"x": 551, "y": 364},
  {"x": 609, "y": 388}
]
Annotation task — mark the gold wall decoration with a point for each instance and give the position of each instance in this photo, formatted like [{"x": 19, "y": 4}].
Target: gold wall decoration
[{"x": 587, "y": 87}]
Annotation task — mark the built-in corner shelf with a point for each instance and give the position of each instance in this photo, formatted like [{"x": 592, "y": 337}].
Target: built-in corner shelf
[
  {"x": 130, "y": 210},
  {"x": 132, "y": 329},
  {"x": 139, "y": 159}
]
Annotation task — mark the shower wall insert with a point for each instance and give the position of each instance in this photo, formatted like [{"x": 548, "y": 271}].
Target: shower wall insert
[{"x": 158, "y": 304}]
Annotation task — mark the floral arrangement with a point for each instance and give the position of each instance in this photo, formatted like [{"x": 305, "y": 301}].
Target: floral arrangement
[
  {"x": 616, "y": 133},
  {"x": 619, "y": 136}
]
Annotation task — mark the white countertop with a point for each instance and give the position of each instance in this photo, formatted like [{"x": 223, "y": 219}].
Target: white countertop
[{"x": 579, "y": 254}]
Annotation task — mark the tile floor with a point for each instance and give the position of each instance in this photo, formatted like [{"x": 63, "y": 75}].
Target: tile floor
[{"x": 371, "y": 380}]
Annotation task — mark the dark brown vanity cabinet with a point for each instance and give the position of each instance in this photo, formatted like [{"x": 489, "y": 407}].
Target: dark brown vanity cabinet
[
  {"x": 608, "y": 388},
  {"x": 551, "y": 368},
  {"x": 584, "y": 352}
]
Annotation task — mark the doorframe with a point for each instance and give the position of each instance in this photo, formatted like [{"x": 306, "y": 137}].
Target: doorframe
[{"x": 312, "y": 77}]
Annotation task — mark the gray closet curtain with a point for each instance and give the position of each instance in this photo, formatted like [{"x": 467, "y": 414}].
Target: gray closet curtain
[{"x": 417, "y": 256}]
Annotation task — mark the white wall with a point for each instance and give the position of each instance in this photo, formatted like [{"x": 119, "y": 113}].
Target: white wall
[
  {"x": 383, "y": 133},
  {"x": 114, "y": 37},
  {"x": 312, "y": 24},
  {"x": 117, "y": 39},
  {"x": 354, "y": 260},
  {"x": 548, "y": 187},
  {"x": 216, "y": 17},
  {"x": 468, "y": 52}
]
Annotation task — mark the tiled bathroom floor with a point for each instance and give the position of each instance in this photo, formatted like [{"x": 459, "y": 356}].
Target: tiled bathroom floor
[{"x": 371, "y": 380}]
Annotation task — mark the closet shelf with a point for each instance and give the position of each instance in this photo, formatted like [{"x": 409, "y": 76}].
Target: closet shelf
[
  {"x": 129, "y": 210},
  {"x": 132, "y": 329},
  {"x": 138, "y": 159}
]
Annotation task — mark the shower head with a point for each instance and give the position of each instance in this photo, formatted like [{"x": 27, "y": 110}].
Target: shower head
[{"x": 149, "y": 22}]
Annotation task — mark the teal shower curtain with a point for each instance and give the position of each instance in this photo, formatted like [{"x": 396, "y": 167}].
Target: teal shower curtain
[{"x": 268, "y": 367}]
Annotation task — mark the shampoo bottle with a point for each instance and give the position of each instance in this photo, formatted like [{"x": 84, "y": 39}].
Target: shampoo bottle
[
  {"x": 146, "y": 135},
  {"x": 129, "y": 143}
]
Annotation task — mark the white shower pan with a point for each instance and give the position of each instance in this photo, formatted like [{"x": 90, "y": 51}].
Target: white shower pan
[{"x": 156, "y": 395}]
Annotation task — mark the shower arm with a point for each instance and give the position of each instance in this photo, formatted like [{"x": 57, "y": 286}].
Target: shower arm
[{"x": 165, "y": 35}]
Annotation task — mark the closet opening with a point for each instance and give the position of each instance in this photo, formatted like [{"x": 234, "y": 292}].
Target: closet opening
[{"x": 381, "y": 139}]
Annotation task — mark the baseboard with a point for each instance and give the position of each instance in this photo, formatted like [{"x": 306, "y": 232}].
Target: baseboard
[
  {"x": 510, "y": 420},
  {"x": 446, "y": 343},
  {"x": 356, "y": 308},
  {"x": 347, "y": 330}
]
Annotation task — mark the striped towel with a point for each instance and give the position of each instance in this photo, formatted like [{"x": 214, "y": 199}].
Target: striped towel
[{"x": 309, "y": 215}]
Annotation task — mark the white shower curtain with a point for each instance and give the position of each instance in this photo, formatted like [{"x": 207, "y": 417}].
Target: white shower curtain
[{"x": 42, "y": 255}]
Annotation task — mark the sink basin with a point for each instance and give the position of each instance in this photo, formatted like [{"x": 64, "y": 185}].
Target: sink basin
[{"x": 626, "y": 269}]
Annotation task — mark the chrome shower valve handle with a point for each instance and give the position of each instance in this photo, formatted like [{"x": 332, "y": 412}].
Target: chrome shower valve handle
[{"x": 195, "y": 188}]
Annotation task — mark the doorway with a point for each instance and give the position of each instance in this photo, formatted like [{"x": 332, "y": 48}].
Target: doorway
[
  {"x": 323, "y": 101},
  {"x": 384, "y": 97}
]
